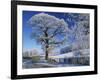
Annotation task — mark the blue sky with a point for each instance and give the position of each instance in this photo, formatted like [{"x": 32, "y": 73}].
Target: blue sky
[{"x": 29, "y": 43}]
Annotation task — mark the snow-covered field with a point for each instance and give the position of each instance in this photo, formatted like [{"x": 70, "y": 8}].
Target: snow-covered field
[
  {"x": 83, "y": 57},
  {"x": 83, "y": 53}
]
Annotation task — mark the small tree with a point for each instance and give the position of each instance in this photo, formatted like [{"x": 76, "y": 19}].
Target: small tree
[{"x": 48, "y": 31}]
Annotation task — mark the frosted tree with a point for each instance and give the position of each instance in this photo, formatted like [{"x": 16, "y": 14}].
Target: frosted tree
[
  {"x": 82, "y": 32},
  {"x": 48, "y": 31},
  {"x": 79, "y": 29}
]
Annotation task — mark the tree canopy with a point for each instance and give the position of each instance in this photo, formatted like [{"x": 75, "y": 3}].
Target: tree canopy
[{"x": 48, "y": 30}]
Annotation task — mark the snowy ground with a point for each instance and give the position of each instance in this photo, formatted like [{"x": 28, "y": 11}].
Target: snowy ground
[{"x": 30, "y": 64}]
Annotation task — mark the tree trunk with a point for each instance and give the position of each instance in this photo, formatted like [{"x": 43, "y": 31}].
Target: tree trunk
[
  {"x": 46, "y": 54},
  {"x": 47, "y": 45}
]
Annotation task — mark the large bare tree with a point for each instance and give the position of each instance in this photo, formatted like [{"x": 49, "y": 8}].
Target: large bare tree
[{"x": 48, "y": 30}]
